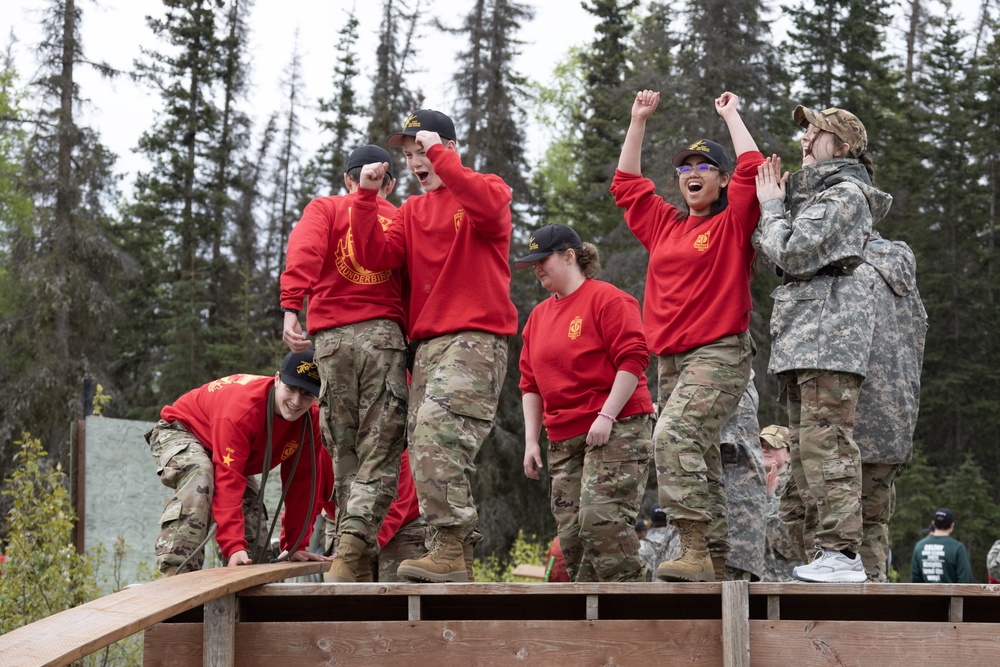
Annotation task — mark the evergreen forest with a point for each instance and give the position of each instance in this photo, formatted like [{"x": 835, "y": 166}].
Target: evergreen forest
[{"x": 157, "y": 288}]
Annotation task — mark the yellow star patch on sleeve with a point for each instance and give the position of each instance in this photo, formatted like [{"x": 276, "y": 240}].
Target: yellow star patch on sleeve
[{"x": 227, "y": 459}]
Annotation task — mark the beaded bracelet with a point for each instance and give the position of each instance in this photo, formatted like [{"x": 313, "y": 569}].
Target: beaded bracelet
[{"x": 607, "y": 416}]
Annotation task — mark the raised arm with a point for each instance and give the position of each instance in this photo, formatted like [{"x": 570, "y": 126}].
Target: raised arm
[
  {"x": 642, "y": 108},
  {"x": 725, "y": 106}
]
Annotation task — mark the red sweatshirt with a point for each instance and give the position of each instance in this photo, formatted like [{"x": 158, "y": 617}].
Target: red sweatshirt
[
  {"x": 322, "y": 265},
  {"x": 455, "y": 242},
  {"x": 698, "y": 280},
  {"x": 574, "y": 347},
  {"x": 228, "y": 417}
]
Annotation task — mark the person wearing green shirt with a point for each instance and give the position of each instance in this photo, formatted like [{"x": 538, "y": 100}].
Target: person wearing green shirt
[{"x": 940, "y": 558}]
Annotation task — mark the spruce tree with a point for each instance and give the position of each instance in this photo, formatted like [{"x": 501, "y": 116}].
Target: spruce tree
[
  {"x": 58, "y": 255},
  {"x": 392, "y": 97},
  {"x": 340, "y": 116}
]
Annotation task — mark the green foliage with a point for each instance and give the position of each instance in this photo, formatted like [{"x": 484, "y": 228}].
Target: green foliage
[
  {"x": 43, "y": 574},
  {"x": 526, "y": 550}
]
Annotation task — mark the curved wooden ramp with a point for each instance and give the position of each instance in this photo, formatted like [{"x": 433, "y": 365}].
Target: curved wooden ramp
[{"x": 72, "y": 634}]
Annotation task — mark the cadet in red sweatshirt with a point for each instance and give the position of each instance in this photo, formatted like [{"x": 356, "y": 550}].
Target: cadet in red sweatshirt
[
  {"x": 454, "y": 241},
  {"x": 583, "y": 373},
  {"x": 696, "y": 311},
  {"x": 208, "y": 443},
  {"x": 356, "y": 316}
]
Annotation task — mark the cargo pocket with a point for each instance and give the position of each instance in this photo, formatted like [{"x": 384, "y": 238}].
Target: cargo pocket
[
  {"x": 171, "y": 513},
  {"x": 834, "y": 469},
  {"x": 469, "y": 404},
  {"x": 694, "y": 464}
]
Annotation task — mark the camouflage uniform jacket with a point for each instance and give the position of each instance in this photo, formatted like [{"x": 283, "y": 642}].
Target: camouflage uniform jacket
[
  {"x": 890, "y": 396},
  {"x": 823, "y": 316},
  {"x": 993, "y": 561}
]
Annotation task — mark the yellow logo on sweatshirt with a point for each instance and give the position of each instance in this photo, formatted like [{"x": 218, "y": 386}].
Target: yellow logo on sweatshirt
[
  {"x": 701, "y": 243},
  {"x": 576, "y": 328},
  {"x": 348, "y": 265}
]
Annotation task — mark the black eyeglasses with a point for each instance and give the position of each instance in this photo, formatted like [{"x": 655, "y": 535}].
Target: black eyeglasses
[{"x": 702, "y": 167}]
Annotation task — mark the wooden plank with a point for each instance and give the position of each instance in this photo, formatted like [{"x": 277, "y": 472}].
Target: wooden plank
[
  {"x": 887, "y": 644},
  {"x": 638, "y": 643},
  {"x": 413, "y": 608},
  {"x": 592, "y": 608},
  {"x": 72, "y": 634},
  {"x": 901, "y": 590},
  {"x": 220, "y": 632},
  {"x": 480, "y": 588},
  {"x": 735, "y": 624}
]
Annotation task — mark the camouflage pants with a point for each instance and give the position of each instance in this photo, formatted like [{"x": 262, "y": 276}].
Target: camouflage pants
[
  {"x": 362, "y": 368},
  {"x": 746, "y": 501},
  {"x": 825, "y": 461},
  {"x": 184, "y": 465},
  {"x": 878, "y": 502},
  {"x": 408, "y": 542},
  {"x": 698, "y": 391},
  {"x": 799, "y": 522},
  {"x": 454, "y": 393},
  {"x": 595, "y": 495}
]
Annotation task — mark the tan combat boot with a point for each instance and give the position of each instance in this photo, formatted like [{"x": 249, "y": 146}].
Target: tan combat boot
[
  {"x": 364, "y": 570},
  {"x": 694, "y": 562},
  {"x": 444, "y": 562},
  {"x": 347, "y": 561}
]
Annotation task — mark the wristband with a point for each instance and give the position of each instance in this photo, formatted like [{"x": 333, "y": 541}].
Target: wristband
[
  {"x": 607, "y": 416},
  {"x": 289, "y": 310}
]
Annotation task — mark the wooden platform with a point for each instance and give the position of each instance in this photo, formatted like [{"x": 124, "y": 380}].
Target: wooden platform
[{"x": 458, "y": 625}]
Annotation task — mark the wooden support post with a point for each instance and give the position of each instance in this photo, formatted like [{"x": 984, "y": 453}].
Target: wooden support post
[
  {"x": 774, "y": 607},
  {"x": 735, "y": 624},
  {"x": 592, "y": 608},
  {"x": 219, "y": 648},
  {"x": 956, "y": 610},
  {"x": 413, "y": 607}
]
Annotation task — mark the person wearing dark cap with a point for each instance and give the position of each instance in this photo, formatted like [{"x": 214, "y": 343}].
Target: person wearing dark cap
[
  {"x": 939, "y": 558},
  {"x": 696, "y": 313},
  {"x": 210, "y": 441},
  {"x": 583, "y": 374},
  {"x": 454, "y": 242},
  {"x": 357, "y": 320},
  {"x": 822, "y": 324}
]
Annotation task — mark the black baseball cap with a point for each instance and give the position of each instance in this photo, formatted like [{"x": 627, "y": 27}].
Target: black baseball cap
[
  {"x": 546, "y": 241},
  {"x": 943, "y": 517},
  {"x": 369, "y": 154},
  {"x": 709, "y": 150},
  {"x": 424, "y": 119},
  {"x": 299, "y": 370}
]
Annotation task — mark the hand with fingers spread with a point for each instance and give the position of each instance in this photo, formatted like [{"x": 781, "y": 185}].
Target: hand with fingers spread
[{"x": 770, "y": 180}]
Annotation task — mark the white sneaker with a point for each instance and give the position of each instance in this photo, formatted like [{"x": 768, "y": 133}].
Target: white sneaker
[{"x": 832, "y": 567}]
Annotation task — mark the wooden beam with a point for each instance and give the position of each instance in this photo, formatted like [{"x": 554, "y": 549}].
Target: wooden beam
[
  {"x": 735, "y": 624},
  {"x": 883, "y": 643},
  {"x": 220, "y": 632},
  {"x": 624, "y": 643},
  {"x": 72, "y": 634}
]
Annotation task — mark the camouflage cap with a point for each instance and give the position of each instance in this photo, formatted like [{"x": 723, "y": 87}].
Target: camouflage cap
[
  {"x": 842, "y": 123},
  {"x": 775, "y": 436}
]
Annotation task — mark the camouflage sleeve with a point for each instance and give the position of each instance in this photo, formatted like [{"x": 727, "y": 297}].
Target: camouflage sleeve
[
  {"x": 830, "y": 231},
  {"x": 993, "y": 561}
]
